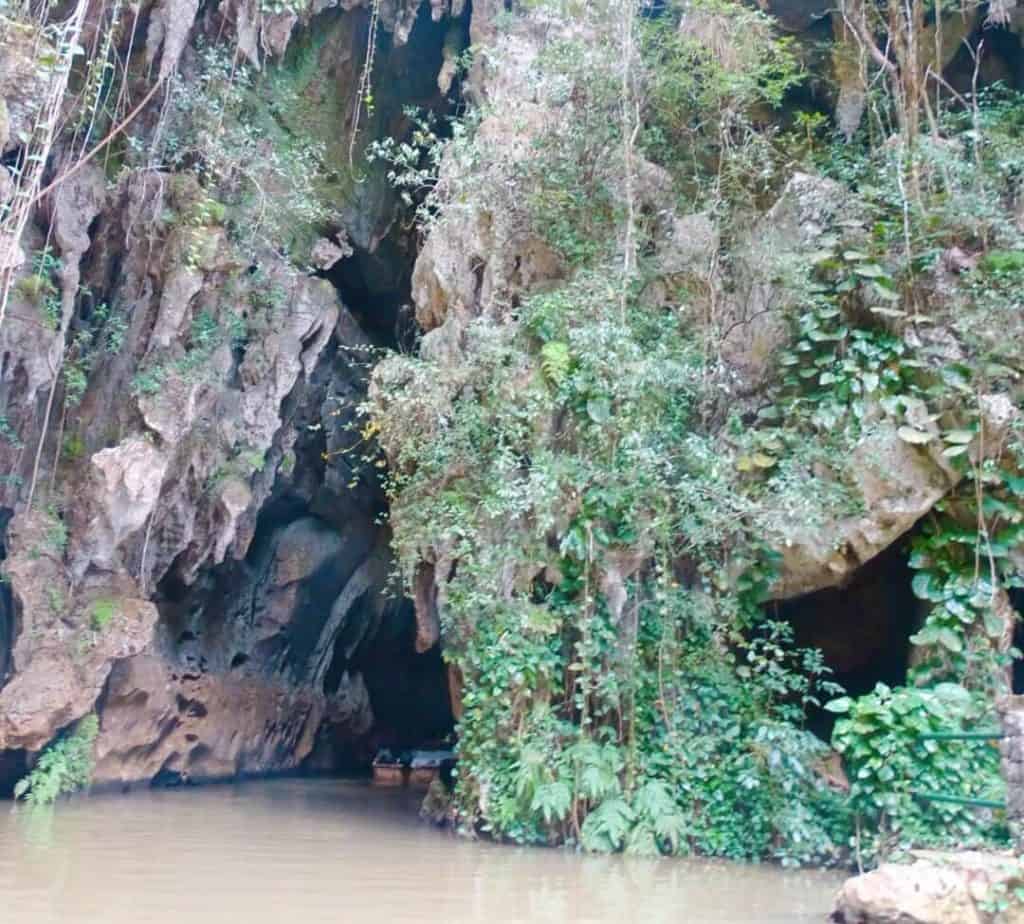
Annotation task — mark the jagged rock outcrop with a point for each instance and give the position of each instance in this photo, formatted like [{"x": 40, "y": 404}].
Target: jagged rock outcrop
[
  {"x": 937, "y": 888},
  {"x": 23, "y": 79},
  {"x": 66, "y": 637},
  {"x": 897, "y": 482},
  {"x": 485, "y": 254},
  {"x": 158, "y": 724}
]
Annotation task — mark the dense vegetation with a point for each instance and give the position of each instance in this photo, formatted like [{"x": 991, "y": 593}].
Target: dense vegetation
[{"x": 601, "y": 500}]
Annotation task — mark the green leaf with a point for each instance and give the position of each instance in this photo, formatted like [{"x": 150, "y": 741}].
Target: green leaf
[
  {"x": 950, "y": 640},
  {"x": 922, "y": 586},
  {"x": 993, "y": 624},
  {"x": 870, "y": 271},
  {"x": 958, "y": 436},
  {"x": 599, "y": 410},
  {"x": 951, "y": 452},
  {"x": 914, "y": 436},
  {"x": 888, "y": 295},
  {"x": 840, "y": 705}
]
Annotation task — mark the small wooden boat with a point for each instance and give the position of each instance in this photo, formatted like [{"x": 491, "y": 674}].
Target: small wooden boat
[{"x": 411, "y": 768}]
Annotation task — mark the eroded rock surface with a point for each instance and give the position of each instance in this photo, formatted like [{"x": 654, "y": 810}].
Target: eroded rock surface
[
  {"x": 145, "y": 574},
  {"x": 937, "y": 888},
  {"x": 66, "y": 639}
]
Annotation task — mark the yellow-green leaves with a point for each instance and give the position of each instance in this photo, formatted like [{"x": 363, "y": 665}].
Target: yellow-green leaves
[{"x": 555, "y": 361}]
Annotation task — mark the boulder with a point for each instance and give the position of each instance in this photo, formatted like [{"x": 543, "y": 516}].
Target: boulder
[
  {"x": 896, "y": 483},
  {"x": 937, "y": 888},
  {"x": 769, "y": 266},
  {"x": 67, "y": 638}
]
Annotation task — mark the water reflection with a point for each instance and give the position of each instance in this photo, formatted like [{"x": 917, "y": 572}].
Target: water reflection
[
  {"x": 325, "y": 851},
  {"x": 34, "y": 824}
]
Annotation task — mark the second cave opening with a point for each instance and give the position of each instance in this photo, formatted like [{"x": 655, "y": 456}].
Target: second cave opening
[{"x": 862, "y": 627}]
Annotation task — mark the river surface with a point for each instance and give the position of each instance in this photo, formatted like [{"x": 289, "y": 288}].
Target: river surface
[{"x": 301, "y": 851}]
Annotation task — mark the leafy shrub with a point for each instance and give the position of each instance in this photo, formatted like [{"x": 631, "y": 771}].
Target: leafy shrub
[
  {"x": 64, "y": 767},
  {"x": 220, "y": 130},
  {"x": 880, "y": 737}
]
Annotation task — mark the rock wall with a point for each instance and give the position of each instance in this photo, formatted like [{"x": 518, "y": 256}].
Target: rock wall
[
  {"x": 1011, "y": 749},
  {"x": 190, "y": 550}
]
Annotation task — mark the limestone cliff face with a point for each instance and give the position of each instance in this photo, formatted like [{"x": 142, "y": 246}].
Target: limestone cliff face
[{"x": 185, "y": 547}]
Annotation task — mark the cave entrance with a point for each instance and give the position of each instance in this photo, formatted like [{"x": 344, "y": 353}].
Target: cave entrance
[
  {"x": 408, "y": 691},
  {"x": 307, "y": 627},
  {"x": 375, "y": 287},
  {"x": 862, "y": 628}
]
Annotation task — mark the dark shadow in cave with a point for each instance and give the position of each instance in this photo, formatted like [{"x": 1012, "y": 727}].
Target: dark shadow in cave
[
  {"x": 375, "y": 282},
  {"x": 13, "y": 766},
  {"x": 7, "y": 622},
  {"x": 408, "y": 691},
  {"x": 863, "y": 628},
  {"x": 248, "y": 618},
  {"x": 13, "y": 763},
  {"x": 1016, "y": 595},
  {"x": 376, "y": 288}
]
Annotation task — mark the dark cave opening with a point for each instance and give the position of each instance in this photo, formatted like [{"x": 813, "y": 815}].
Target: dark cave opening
[
  {"x": 374, "y": 282},
  {"x": 311, "y": 607},
  {"x": 306, "y": 636},
  {"x": 7, "y": 616},
  {"x": 375, "y": 287},
  {"x": 1016, "y": 595},
  {"x": 862, "y": 628}
]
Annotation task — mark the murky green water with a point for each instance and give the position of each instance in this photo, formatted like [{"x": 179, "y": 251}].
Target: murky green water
[{"x": 318, "y": 851}]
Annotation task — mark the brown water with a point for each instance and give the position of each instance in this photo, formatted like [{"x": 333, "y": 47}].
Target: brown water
[{"x": 318, "y": 851}]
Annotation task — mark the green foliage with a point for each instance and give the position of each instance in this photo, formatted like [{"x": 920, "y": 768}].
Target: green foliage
[
  {"x": 100, "y": 333},
  {"x": 43, "y": 287},
  {"x": 56, "y": 600},
  {"x": 964, "y": 558},
  {"x": 1002, "y": 262},
  {"x": 556, "y": 361},
  {"x": 965, "y": 187},
  {"x": 414, "y": 165},
  {"x": 599, "y": 499},
  {"x": 258, "y": 178},
  {"x": 206, "y": 335},
  {"x": 148, "y": 381},
  {"x": 583, "y": 714},
  {"x": 102, "y": 613},
  {"x": 64, "y": 767},
  {"x": 55, "y": 535},
  {"x": 8, "y": 433},
  {"x": 709, "y": 81},
  {"x": 879, "y": 736},
  {"x": 73, "y": 448}
]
